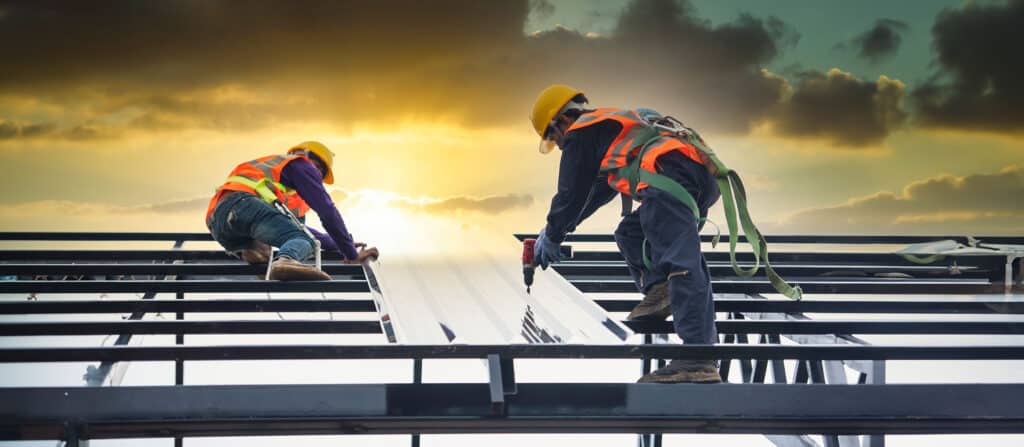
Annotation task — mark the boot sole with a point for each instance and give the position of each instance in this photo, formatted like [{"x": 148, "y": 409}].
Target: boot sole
[
  {"x": 684, "y": 377},
  {"x": 294, "y": 274},
  {"x": 659, "y": 314}
]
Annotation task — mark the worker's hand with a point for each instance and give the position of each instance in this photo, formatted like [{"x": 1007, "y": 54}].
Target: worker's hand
[
  {"x": 365, "y": 254},
  {"x": 545, "y": 251},
  {"x": 360, "y": 245}
]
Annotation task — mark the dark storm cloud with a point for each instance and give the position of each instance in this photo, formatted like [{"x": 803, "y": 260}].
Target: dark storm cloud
[
  {"x": 879, "y": 42},
  {"x": 838, "y": 106},
  {"x": 661, "y": 55},
  {"x": 543, "y": 8},
  {"x": 11, "y": 130},
  {"x": 981, "y": 86},
  {"x": 346, "y": 58},
  {"x": 200, "y": 41},
  {"x": 207, "y": 64}
]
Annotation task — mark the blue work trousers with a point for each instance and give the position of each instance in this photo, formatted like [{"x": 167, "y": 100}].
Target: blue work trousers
[
  {"x": 673, "y": 246},
  {"x": 242, "y": 217}
]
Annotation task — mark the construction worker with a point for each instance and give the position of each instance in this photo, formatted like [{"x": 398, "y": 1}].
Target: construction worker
[
  {"x": 659, "y": 240},
  {"x": 243, "y": 218}
]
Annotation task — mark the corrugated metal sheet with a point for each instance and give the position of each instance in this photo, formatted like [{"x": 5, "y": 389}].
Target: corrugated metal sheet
[{"x": 482, "y": 300}]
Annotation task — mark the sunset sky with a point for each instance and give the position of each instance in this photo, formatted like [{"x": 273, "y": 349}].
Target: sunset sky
[{"x": 842, "y": 116}]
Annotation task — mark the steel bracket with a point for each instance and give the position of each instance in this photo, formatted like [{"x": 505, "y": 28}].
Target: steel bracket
[{"x": 502, "y": 381}]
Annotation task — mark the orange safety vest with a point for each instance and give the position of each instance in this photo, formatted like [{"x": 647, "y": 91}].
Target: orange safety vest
[
  {"x": 262, "y": 178},
  {"x": 634, "y": 136},
  {"x": 630, "y": 164}
]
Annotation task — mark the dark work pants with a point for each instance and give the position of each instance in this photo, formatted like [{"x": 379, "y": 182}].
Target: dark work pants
[
  {"x": 243, "y": 217},
  {"x": 673, "y": 245}
]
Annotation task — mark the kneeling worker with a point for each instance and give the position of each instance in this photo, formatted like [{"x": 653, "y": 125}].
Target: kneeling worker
[
  {"x": 243, "y": 218},
  {"x": 660, "y": 241}
]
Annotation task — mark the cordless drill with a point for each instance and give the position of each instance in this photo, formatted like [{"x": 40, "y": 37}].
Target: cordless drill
[{"x": 528, "y": 265}]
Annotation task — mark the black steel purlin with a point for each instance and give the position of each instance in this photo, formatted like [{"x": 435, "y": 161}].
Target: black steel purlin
[{"x": 36, "y": 413}]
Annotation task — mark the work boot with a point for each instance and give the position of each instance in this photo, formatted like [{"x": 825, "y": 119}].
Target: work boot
[
  {"x": 655, "y": 305},
  {"x": 684, "y": 371},
  {"x": 256, "y": 252},
  {"x": 288, "y": 269}
]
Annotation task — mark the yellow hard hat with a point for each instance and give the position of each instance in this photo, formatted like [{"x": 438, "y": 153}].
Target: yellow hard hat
[
  {"x": 317, "y": 148},
  {"x": 548, "y": 104}
]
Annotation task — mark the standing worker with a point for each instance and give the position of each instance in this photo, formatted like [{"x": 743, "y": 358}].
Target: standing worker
[
  {"x": 243, "y": 218},
  {"x": 659, "y": 240}
]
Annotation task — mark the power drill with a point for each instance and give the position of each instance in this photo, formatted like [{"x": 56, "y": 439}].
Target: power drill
[{"x": 528, "y": 265}]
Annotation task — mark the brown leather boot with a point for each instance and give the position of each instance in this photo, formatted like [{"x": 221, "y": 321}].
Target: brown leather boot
[
  {"x": 655, "y": 305},
  {"x": 288, "y": 269},
  {"x": 684, "y": 371},
  {"x": 256, "y": 252}
]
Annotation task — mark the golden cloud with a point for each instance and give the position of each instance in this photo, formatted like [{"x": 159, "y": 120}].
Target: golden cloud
[{"x": 970, "y": 204}]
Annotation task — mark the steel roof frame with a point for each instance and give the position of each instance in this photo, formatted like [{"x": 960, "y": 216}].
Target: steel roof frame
[{"x": 504, "y": 405}]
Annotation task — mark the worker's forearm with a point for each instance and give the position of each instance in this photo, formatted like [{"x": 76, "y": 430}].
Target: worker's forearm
[
  {"x": 305, "y": 179},
  {"x": 326, "y": 242},
  {"x": 576, "y": 172},
  {"x": 342, "y": 239},
  {"x": 565, "y": 210},
  {"x": 600, "y": 195}
]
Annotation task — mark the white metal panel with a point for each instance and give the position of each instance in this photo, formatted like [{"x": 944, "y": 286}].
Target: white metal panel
[{"x": 481, "y": 299}]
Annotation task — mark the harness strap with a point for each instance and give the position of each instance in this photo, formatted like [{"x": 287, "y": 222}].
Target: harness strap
[
  {"x": 734, "y": 201},
  {"x": 627, "y": 204},
  {"x": 923, "y": 259},
  {"x": 731, "y": 185}
]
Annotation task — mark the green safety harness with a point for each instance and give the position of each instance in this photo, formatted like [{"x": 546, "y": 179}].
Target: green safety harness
[{"x": 734, "y": 197}]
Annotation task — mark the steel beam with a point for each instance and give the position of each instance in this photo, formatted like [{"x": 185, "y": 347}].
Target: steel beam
[
  {"x": 209, "y": 268},
  {"x": 539, "y": 351},
  {"x": 815, "y": 239},
  {"x": 992, "y": 262},
  {"x": 776, "y": 239},
  {"x": 816, "y": 286},
  {"x": 139, "y": 412},
  {"x": 187, "y": 306},
  {"x": 749, "y": 286},
  {"x": 372, "y": 327},
  {"x": 129, "y": 255},
  {"x": 582, "y": 270},
  {"x": 186, "y": 286},
  {"x": 842, "y": 306},
  {"x": 190, "y": 327},
  {"x": 844, "y": 327},
  {"x": 380, "y": 302},
  {"x": 101, "y": 236}
]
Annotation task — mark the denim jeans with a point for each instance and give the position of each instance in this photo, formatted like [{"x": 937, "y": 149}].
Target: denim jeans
[
  {"x": 242, "y": 217},
  {"x": 673, "y": 245}
]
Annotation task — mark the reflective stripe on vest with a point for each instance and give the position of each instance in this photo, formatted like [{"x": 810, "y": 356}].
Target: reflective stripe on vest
[{"x": 262, "y": 178}]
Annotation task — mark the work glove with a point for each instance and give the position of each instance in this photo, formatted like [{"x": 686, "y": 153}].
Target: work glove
[
  {"x": 545, "y": 251},
  {"x": 364, "y": 254}
]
